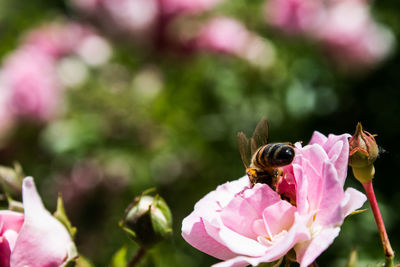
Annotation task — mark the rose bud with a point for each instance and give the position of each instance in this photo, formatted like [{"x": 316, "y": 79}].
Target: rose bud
[
  {"x": 363, "y": 153},
  {"x": 148, "y": 219},
  {"x": 11, "y": 179}
]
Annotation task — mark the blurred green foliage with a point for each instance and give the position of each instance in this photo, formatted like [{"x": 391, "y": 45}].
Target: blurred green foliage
[{"x": 177, "y": 132}]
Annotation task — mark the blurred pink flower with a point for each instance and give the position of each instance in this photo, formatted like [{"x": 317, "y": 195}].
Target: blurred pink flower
[
  {"x": 35, "y": 238},
  {"x": 243, "y": 225},
  {"x": 227, "y": 35},
  {"x": 187, "y": 6},
  {"x": 130, "y": 19},
  {"x": 346, "y": 29},
  {"x": 56, "y": 39},
  {"x": 223, "y": 35},
  {"x": 141, "y": 21},
  {"x": 29, "y": 77},
  {"x": 134, "y": 16},
  {"x": 352, "y": 37},
  {"x": 294, "y": 16}
]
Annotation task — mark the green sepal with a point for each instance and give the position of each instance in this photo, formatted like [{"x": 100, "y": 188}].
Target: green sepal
[
  {"x": 353, "y": 258},
  {"x": 60, "y": 215},
  {"x": 120, "y": 258},
  {"x": 276, "y": 263},
  {"x": 14, "y": 205},
  {"x": 161, "y": 227},
  {"x": 147, "y": 219},
  {"x": 72, "y": 258},
  {"x": 357, "y": 212},
  {"x": 11, "y": 179}
]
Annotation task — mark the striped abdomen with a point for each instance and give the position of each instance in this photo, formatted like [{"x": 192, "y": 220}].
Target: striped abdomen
[{"x": 273, "y": 155}]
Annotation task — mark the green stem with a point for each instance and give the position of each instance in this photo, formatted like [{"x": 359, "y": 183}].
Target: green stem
[
  {"x": 389, "y": 254},
  {"x": 136, "y": 259}
]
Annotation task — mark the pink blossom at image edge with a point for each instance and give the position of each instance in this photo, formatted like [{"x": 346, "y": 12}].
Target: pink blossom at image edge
[{"x": 35, "y": 238}]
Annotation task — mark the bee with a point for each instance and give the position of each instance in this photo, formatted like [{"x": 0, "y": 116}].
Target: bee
[{"x": 263, "y": 161}]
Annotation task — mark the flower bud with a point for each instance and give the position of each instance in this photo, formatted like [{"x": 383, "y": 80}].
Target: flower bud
[
  {"x": 363, "y": 153},
  {"x": 147, "y": 219},
  {"x": 11, "y": 179}
]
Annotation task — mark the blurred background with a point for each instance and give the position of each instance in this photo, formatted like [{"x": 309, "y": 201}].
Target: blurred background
[{"x": 102, "y": 99}]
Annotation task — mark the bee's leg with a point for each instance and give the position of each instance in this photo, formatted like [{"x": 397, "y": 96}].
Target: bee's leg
[{"x": 252, "y": 174}]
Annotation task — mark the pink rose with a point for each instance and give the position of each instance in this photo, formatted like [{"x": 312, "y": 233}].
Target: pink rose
[
  {"x": 294, "y": 16},
  {"x": 243, "y": 225},
  {"x": 352, "y": 37},
  {"x": 229, "y": 36},
  {"x": 57, "y": 40},
  {"x": 30, "y": 79},
  {"x": 35, "y": 238}
]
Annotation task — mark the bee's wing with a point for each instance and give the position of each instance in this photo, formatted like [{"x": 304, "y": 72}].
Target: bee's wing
[
  {"x": 244, "y": 149},
  {"x": 260, "y": 135}
]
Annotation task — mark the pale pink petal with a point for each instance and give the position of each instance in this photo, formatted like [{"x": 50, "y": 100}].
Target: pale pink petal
[
  {"x": 224, "y": 193},
  {"x": 318, "y": 138},
  {"x": 194, "y": 233},
  {"x": 278, "y": 217},
  {"x": 316, "y": 155},
  {"x": 43, "y": 241},
  {"x": 329, "y": 213},
  {"x": 260, "y": 197},
  {"x": 239, "y": 216},
  {"x": 301, "y": 188},
  {"x": 240, "y": 244},
  {"x": 242, "y": 211},
  {"x": 315, "y": 183},
  {"x": 297, "y": 233},
  {"x": 337, "y": 149},
  {"x": 352, "y": 201},
  {"x": 201, "y": 227},
  {"x": 10, "y": 220},
  {"x": 307, "y": 252}
]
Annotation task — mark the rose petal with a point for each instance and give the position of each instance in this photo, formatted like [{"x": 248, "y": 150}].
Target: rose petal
[
  {"x": 307, "y": 252},
  {"x": 193, "y": 231},
  {"x": 318, "y": 138},
  {"x": 10, "y": 220},
  {"x": 297, "y": 233},
  {"x": 329, "y": 212},
  {"x": 352, "y": 201},
  {"x": 337, "y": 148},
  {"x": 43, "y": 241},
  {"x": 278, "y": 217},
  {"x": 240, "y": 214}
]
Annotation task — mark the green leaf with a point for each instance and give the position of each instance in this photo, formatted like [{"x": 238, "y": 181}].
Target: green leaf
[
  {"x": 119, "y": 258},
  {"x": 62, "y": 217}
]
